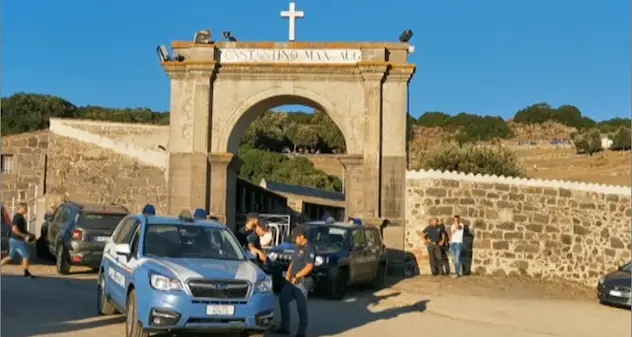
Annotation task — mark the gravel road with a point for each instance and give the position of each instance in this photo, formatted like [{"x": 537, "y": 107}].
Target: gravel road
[{"x": 65, "y": 307}]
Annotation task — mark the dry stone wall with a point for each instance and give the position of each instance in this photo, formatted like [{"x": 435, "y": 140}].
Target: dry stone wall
[
  {"x": 84, "y": 172},
  {"x": 28, "y": 152},
  {"x": 549, "y": 229}
]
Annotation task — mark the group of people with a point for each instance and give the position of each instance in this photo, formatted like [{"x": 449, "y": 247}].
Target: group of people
[{"x": 442, "y": 242}]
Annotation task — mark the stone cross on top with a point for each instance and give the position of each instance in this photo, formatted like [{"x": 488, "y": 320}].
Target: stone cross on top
[{"x": 292, "y": 15}]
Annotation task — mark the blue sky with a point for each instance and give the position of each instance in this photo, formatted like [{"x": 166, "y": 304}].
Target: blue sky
[{"x": 486, "y": 57}]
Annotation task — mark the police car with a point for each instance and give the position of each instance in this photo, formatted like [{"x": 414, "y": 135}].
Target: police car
[
  {"x": 177, "y": 274},
  {"x": 347, "y": 254}
]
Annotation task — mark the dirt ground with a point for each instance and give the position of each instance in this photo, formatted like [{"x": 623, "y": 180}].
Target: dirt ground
[
  {"x": 498, "y": 287},
  {"x": 608, "y": 167}
]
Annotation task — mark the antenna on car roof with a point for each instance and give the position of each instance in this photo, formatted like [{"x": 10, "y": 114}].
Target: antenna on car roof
[{"x": 186, "y": 215}]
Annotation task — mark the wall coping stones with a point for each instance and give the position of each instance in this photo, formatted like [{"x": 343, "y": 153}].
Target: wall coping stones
[
  {"x": 61, "y": 127},
  {"x": 90, "y": 122},
  {"x": 484, "y": 178}
]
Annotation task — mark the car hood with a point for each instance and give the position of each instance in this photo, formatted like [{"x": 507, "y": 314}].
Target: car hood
[
  {"x": 187, "y": 269},
  {"x": 619, "y": 278},
  {"x": 289, "y": 248}
]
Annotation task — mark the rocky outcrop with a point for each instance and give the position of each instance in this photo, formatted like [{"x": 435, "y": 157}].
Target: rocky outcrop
[{"x": 541, "y": 228}]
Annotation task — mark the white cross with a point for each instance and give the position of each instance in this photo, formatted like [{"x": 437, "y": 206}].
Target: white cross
[{"x": 292, "y": 15}]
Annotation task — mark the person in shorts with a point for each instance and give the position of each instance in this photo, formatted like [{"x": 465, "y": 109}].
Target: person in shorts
[{"x": 20, "y": 240}]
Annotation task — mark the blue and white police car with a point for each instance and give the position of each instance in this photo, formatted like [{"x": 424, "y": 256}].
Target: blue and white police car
[{"x": 177, "y": 274}]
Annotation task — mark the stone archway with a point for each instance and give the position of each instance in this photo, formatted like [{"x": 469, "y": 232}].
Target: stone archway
[{"x": 218, "y": 89}]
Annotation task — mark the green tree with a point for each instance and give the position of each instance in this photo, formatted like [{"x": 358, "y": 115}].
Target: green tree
[
  {"x": 622, "y": 139},
  {"x": 330, "y": 135},
  {"x": 588, "y": 142},
  {"x": 24, "y": 112},
  {"x": 535, "y": 114},
  {"x": 433, "y": 118},
  {"x": 474, "y": 159},
  {"x": 302, "y": 136},
  {"x": 569, "y": 115}
]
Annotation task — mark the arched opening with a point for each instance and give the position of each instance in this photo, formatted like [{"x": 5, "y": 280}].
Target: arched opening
[{"x": 289, "y": 146}]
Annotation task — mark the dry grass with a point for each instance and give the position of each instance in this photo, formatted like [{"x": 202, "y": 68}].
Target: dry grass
[{"x": 609, "y": 167}]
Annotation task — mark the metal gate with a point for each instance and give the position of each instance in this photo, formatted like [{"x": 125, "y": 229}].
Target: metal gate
[{"x": 279, "y": 224}]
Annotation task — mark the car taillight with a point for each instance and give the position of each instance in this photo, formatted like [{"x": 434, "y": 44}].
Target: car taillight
[{"x": 77, "y": 235}]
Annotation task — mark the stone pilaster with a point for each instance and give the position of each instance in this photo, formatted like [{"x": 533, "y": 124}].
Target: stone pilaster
[
  {"x": 394, "y": 154},
  {"x": 372, "y": 74},
  {"x": 223, "y": 178},
  {"x": 354, "y": 188},
  {"x": 191, "y": 95}
]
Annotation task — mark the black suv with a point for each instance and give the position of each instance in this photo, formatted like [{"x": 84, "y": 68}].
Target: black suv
[
  {"x": 347, "y": 254},
  {"x": 77, "y": 233}
]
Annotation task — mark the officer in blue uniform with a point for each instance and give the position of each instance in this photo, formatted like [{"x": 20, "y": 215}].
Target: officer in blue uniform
[{"x": 298, "y": 282}]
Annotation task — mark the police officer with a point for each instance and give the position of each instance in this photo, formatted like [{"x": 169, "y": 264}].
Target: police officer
[{"x": 298, "y": 282}]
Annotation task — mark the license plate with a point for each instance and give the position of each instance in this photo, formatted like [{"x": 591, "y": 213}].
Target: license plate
[
  {"x": 220, "y": 310},
  {"x": 101, "y": 238},
  {"x": 616, "y": 293}
]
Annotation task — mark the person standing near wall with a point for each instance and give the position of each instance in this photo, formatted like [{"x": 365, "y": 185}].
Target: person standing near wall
[
  {"x": 434, "y": 238},
  {"x": 456, "y": 244},
  {"x": 445, "y": 250}
]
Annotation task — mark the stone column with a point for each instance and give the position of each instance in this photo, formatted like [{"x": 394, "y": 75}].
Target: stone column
[
  {"x": 223, "y": 178},
  {"x": 188, "y": 168},
  {"x": 372, "y": 74},
  {"x": 354, "y": 185},
  {"x": 393, "y": 175}
]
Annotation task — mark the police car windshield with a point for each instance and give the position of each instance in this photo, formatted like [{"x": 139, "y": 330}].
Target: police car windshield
[
  {"x": 325, "y": 235},
  {"x": 191, "y": 241}
]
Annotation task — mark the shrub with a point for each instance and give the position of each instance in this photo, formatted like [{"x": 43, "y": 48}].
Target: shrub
[
  {"x": 622, "y": 139},
  {"x": 474, "y": 159},
  {"x": 588, "y": 142}
]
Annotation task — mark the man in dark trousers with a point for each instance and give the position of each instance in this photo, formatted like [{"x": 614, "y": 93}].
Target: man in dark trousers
[
  {"x": 298, "y": 282},
  {"x": 444, "y": 266},
  {"x": 19, "y": 240},
  {"x": 435, "y": 238}
]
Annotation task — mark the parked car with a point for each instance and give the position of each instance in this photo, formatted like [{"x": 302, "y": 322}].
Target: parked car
[
  {"x": 347, "y": 254},
  {"x": 177, "y": 274},
  {"x": 614, "y": 288},
  {"x": 75, "y": 234}
]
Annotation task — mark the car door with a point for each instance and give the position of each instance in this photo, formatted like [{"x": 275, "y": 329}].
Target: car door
[
  {"x": 59, "y": 226},
  {"x": 357, "y": 262},
  {"x": 53, "y": 228},
  {"x": 117, "y": 265},
  {"x": 373, "y": 251}
]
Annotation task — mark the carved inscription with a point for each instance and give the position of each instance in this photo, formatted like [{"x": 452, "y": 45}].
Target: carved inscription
[{"x": 306, "y": 56}]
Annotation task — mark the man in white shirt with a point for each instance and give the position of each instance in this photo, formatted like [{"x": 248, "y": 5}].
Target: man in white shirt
[{"x": 456, "y": 243}]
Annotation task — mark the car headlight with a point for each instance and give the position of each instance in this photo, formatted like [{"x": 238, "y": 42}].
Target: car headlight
[
  {"x": 602, "y": 279},
  {"x": 264, "y": 285},
  {"x": 318, "y": 261},
  {"x": 273, "y": 256},
  {"x": 161, "y": 282}
]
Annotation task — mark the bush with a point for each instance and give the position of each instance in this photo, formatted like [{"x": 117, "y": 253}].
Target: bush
[
  {"x": 622, "y": 139},
  {"x": 588, "y": 142},
  {"x": 467, "y": 128},
  {"x": 474, "y": 159}
]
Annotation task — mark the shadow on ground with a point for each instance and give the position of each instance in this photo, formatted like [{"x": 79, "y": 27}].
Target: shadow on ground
[
  {"x": 49, "y": 305},
  {"x": 66, "y": 305}
]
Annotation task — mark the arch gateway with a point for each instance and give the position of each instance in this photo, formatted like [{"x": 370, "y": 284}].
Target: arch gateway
[{"x": 218, "y": 89}]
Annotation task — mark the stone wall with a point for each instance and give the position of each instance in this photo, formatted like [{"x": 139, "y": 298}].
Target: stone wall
[
  {"x": 29, "y": 159},
  {"x": 574, "y": 231},
  {"x": 88, "y": 173}
]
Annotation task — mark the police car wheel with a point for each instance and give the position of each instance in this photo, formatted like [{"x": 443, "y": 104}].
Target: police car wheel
[
  {"x": 104, "y": 308},
  {"x": 132, "y": 325},
  {"x": 338, "y": 286},
  {"x": 62, "y": 264}
]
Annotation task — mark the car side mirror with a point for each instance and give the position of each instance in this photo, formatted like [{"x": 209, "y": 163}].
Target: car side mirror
[
  {"x": 250, "y": 256},
  {"x": 123, "y": 249}
]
